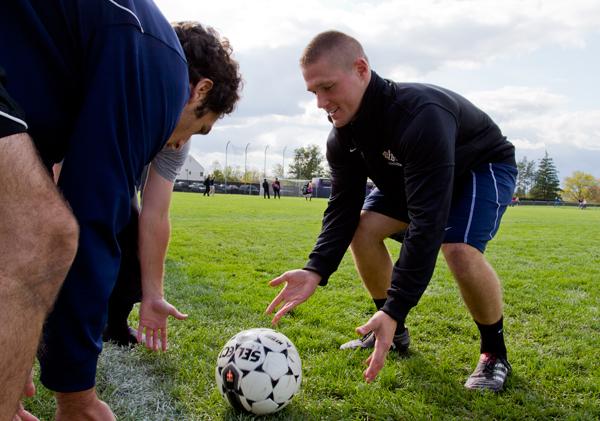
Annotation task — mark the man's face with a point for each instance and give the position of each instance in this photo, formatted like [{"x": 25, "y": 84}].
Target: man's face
[
  {"x": 189, "y": 125},
  {"x": 339, "y": 91}
]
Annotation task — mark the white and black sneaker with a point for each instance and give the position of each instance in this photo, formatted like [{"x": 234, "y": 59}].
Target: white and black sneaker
[
  {"x": 400, "y": 343},
  {"x": 490, "y": 374}
]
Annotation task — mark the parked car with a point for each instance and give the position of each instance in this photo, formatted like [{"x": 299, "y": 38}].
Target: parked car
[
  {"x": 249, "y": 189},
  {"x": 196, "y": 187},
  {"x": 180, "y": 186},
  {"x": 232, "y": 188}
]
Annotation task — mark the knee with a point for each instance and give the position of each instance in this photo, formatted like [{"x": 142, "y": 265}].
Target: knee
[
  {"x": 63, "y": 240},
  {"x": 57, "y": 241},
  {"x": 364, "y": 237},
  {"x": 459, "y": 256}
]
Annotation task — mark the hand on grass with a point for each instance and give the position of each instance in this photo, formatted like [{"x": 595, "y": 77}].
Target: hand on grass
[
  {"x": 383, "y": 326},
  {"x": 300, "y": 284},
  {"x": 153, "y": 320},
  {"x": 28, "y": 392}
]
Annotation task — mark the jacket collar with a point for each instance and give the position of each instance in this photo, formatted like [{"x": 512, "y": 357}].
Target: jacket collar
[{"x": 368, "y": 119}]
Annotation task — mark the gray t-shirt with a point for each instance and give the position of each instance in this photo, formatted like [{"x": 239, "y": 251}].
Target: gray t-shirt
[{"x": 169, "y": 161}]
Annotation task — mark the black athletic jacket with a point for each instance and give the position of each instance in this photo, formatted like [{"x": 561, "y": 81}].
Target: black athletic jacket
[{"x": 415, "y": 142}]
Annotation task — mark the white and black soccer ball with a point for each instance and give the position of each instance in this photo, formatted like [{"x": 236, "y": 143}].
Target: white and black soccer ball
[{"x": 259, "y": 371}]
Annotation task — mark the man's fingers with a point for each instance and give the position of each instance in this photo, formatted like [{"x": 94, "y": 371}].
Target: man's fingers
[
  {"x": 276, "y": 301},
  {"x": 277, "y": 281},
  {"x": 149, "y": 338},
  {"x": 376, "y": 360},
  {"x": 364, "y": 329},
  {"x": 282, "y": 312},
  {"x": 24, "y": 415},
  {"x": 163, "y": 338},
  {"x": 155, "y": 339},
  {"x": 29, "y": 389},
  {"x": 177, "y": 314}
]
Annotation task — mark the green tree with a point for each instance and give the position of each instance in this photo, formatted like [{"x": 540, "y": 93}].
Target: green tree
[
  {"x": 252, "y": 175},
  {"x": 595, "y": 192},
  {"x": 278, "y": 171},
  {"x": 579, "y": 185},
  {"x": 219, "y": 176},
  {"x": 307, "y": 163},
  {"x": 546, "y": 185},
  {"x": 526, "y": 176},
  {"x": 217, "y": 172},
  {"x": 233, "y": 175}
]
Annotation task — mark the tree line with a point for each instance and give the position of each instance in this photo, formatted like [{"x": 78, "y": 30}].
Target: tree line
[
  {"x": 308, "y": 162},
  {"x": 539, "y": 181}
]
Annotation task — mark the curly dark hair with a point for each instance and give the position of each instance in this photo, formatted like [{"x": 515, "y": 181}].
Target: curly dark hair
[{"x": 209, "y": 56}]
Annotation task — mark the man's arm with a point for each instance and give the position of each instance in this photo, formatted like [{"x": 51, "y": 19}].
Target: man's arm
[
  {"x": 154, "y": 234},
  {"x": 428, "y": 146},
  {"x": 348, "y": 180},
  {"x": 339, "y": 224}
]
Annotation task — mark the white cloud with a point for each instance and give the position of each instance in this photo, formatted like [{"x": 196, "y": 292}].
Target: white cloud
[
  {"x": 410, "y": 41},
  {"x": 514, "y": 102}
]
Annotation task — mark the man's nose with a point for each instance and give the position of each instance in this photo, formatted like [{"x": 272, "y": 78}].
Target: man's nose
[{"x": 322, "y": 101}]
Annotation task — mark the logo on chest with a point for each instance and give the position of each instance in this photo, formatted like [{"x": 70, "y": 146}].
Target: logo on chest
[{"x": 392, "y": 160}]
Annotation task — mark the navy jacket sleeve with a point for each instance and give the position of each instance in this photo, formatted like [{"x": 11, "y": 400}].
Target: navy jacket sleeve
[
  {"x": 428, "y": 146},
  {"x": 348, "y": 180},
  {"x": 136, "y": 87}
]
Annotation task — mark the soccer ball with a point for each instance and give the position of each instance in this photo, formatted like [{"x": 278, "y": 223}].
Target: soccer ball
[{"x": 259, "y": 371}]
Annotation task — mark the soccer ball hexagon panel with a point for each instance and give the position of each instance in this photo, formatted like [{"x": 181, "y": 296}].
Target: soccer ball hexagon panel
[{"x": 259, "y": 371}]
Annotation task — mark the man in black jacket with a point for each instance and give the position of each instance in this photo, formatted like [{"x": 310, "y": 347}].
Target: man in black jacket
[{"x": 444, "y": 175}]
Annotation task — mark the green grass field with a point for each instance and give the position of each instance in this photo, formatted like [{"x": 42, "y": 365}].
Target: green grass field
[{"x": 225, "y": 249}]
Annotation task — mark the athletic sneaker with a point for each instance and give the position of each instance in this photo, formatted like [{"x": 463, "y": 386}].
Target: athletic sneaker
[
  {"x": 123, "y": 336},
  {"x": 400, "y": 342},
  {"x": 490, "y": 374}
]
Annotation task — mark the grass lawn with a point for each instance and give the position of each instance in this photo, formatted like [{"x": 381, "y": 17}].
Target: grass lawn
[{"x": 224, "y": 250}]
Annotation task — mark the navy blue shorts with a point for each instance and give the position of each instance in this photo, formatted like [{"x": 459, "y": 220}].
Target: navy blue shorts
[{"x": 477, "y": 205}]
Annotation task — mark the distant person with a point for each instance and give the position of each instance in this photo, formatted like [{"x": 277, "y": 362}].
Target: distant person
[
  {"x": 444, "y": 175},
  {"x": 212, "y": 186},
  {"x": 265, "y": 186},
  {"x": 584, "y": 203},
  {"x": 557, "y": 201},
  {"x": 206, "y": 186},
  {"x": 276, "y": 189},
  {"x": 308, "y": 190}
]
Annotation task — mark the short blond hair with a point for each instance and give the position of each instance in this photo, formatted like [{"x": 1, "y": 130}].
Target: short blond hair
[{"x": 337, "y": 46}]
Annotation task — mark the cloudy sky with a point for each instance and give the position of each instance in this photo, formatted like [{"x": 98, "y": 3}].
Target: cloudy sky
[{"x": 533, "y": 65}]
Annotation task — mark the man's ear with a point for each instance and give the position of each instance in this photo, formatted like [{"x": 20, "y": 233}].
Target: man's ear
[
  {"x": 362, "y": 67},
  {"x": 200, "y": 90}
]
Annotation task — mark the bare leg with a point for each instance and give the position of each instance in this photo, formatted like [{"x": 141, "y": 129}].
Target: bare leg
[
  {"x": 38, "y": 241},
  {"x": 371, "y": 256},
  {"x": 82, "y": 406},
  {"x": 479, "y": 285}
]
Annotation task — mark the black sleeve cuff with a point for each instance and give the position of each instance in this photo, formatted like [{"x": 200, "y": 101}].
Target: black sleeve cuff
[
  {"x": 324, "y": 278},
  {"x": 396, "y": 309}
]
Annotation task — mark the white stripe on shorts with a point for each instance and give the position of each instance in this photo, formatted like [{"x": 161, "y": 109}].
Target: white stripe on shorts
[
  {"x": 497, "y": 200},
  {"x": 13, "y": 118},
  {"x": 472, "y": 207}
]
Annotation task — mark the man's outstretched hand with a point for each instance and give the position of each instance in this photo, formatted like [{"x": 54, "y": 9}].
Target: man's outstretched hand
[
  {"x": 384, "y": 327},
  {"x": 300, "y": 284},
  {"x": 153, "y": 322}
]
